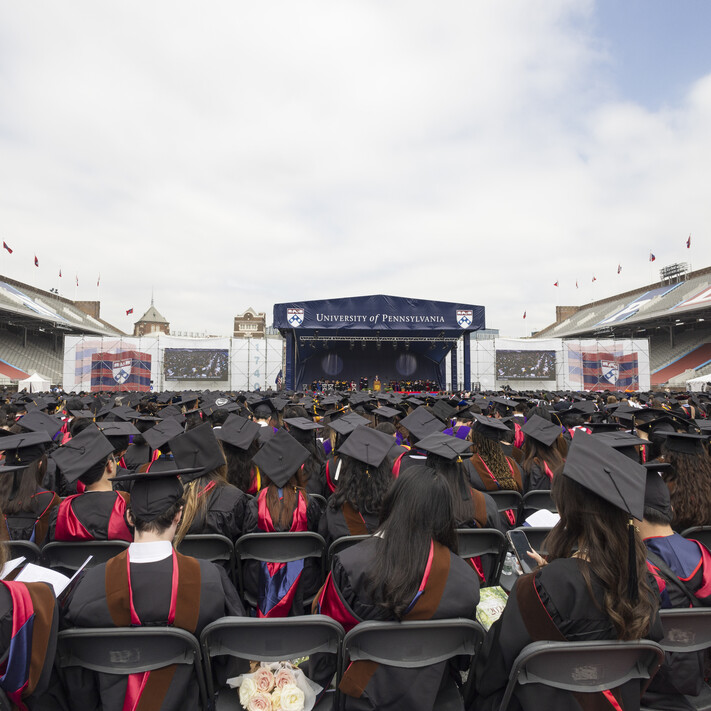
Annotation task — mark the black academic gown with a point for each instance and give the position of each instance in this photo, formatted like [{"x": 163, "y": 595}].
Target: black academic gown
[
  {"x": 536, "y": 478},
  {"x": 552, "y": 603},
  {"x": 224, "y": 513},
  {"x": 450, "y": 590},
  {"x": 135, "y": 455},
  {"x": 35, "y": 523},
  {"x": 204, "y": 595},
  {"x": 93, "y": 516},
  {"x": 345, "y": 521}
]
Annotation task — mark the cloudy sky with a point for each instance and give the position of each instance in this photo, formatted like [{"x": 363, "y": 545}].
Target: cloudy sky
[{"x": 232, "y": 154}]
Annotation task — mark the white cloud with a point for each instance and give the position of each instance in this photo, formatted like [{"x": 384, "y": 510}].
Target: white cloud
[{"x": 234, "y": 154}]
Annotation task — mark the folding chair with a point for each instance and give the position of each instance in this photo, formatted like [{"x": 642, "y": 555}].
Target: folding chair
[
  {"x": 278, "y": 548},
  {"x": 534, "y": 501},
  {"x": 276, "y": 639},
  {"x": 583, "y": 667},
  {"x": 536, "y": 535},
  {"x": 210, "y": 546},
  {"x": 68, "y": 557},
  {"x": 412, "y": 645},
  {"x": 702, "y": 534},
  {"x": 506, "y": 501},
  {"x": 688, "y": 629},
  {"x": 18, "y": 549},
  {"x": 130, "y": 650},
  {"x": 475, "y": 542},
  {"x": 342, "y": 543},
  {"x": 321, "y": 501}
]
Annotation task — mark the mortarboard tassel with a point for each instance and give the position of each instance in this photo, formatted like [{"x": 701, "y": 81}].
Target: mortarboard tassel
[{"x": 632, "y": 582}]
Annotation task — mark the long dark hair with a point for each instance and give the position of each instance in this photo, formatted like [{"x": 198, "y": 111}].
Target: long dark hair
[
  {"x": 459, "y": 486},
  {"x": 494, "y": 458},
  {"x": 195, "y": 504},
  {"x": 535, "y": 452},
  {"x": 307, "y": 439},
  {"x": 239, "y": 464},
  {"x": 364, "y": 492},
  {"x": 599, "y": 531},
  {"x": 416, "y": 510},
  {"x": 689, "y": 482},
  {"x": 18, "y": 487},
  {"x": 282, "y": 509}
]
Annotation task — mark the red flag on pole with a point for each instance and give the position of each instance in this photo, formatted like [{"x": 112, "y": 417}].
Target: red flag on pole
[
  {"x": 77, "y": 278},
  {"x": 619, "y": 268},
  {"x": 524, "y": 314},
  {"x": 556, "y": 284},
  {"x": 5, "y": 246},
  {"x": 60, "y": 273},
  {"x": 36, "y": 261},
  {"x": 594, "y": 278},
  {"x": 651, "y": 257},
  {"x": 576, "y": 284},
  {"x": 98, "y": 280},
  {"x": 688, "y": 242},
  {"x": 129, "y": 312}
]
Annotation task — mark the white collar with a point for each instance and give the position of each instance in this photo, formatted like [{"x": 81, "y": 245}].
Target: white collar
[{"x": 149, "y": 552}]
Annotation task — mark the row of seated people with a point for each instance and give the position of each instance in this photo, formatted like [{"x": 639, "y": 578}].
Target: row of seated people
[{"x": 597, "y": 582}]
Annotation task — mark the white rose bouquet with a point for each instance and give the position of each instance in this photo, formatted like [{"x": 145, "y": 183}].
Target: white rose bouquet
[{"x": 278, "y": 686}]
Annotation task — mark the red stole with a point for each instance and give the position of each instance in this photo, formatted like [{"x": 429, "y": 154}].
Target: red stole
[
  {"x": 145, "y": 691},
  {"x": 70, "y": 528}
]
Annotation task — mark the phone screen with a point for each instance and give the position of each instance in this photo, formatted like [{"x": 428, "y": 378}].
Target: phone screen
[{"x": 521, "y": 547}]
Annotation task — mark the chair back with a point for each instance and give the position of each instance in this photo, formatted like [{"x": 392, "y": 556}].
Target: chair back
[
  {"x": 210, "y": 546},
  {"x": 473, "y": 542},
  {"x": 130, "y": 650},
  {"x": 320, "y": 499},
  {"x": 686, "y": 629},
  {"x": 282, "y": 547},
  {"x": 583, "y": 667},
  {"x": 415, "y": 644},
  {"x": 702, "y": 534},
  {"x": 69, "y": 556},
  {"x": 507, "y": 500},
  {"x": 535, "y": 501},
  {"x": 275, "y": 639},
  {"x": 340, "y": 544},
  {"x": 27, "y": 549}
]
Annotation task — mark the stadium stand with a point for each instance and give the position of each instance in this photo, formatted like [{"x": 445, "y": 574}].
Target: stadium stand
[
  {"x": 673, "y": 313},
  {"x": 33, "y": 323}
]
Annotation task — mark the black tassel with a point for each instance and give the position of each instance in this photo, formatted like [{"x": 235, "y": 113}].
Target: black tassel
[{"x": 632, "y": 582}]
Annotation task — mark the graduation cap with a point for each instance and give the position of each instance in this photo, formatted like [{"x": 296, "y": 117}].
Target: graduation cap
[
  {"x": 606, "y": 472},
  {"x": 82, "y": 452},
  {"x": 346, "y": 424},
  {"x": 281, "y": 457},
  {"x": 445, "y": 446},
  {"x": 656, "y": 492},
  {"x": 238, "y": 431},
  {"x": 303, "y": 423},
  {"x": 152, "y": 493},
  {"x": 23, "y": 449},
  {"x": 541, "y": 430},
  {"x": 684, "y": 443},
  {"x": 604, "y": 427},
  {"x": 386, "y": 412},
  {"x": 443, "y": 411},
  {"x": 82, "y": 414},
  {"x": 623, "y": 442},
  {"x": 162, "y": 432},
  {"x": 263, "y": 409},
  {"x": 586, "y": 407},
  {"x": 659, "y": 424},
  {"x": 37, "y": 421},
  {"x": 367, "y": 445},
  {"x": 490, "y": 427},
  {"x": 117, "y": 429},
  {"x": 198, "y": 449},
  {"x": 422, "y": 422}
]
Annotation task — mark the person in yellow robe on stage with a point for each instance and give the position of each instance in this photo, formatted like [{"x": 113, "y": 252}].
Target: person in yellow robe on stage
[{"x": 376, "y": 384}]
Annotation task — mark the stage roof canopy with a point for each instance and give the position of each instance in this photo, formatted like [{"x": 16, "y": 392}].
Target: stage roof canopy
[{"x": 370, "y": 315}]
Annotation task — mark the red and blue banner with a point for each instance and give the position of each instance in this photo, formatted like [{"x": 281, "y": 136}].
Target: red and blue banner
[{"x": 122, "y": 371}]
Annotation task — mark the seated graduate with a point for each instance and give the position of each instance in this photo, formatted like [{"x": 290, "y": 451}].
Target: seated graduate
[
  {"x": 303, "y": 430},
  {"x": 29, "y": 509},
  {"x": 239, "y": 439},
  {"x": 341, "y": 428},
  {"x": 158, "y": 438},
  {"x": 148, "y": 584},
  {"x": 418, "y": 424},
  {"x": 544, "y": 450},
  {"x": 594, "y": 587},
  {"x": 138, "y": 451},
  {"x": 472, "y": 508},
  {"x": 408, "y": 570},
  {"x": 98, "y": 514},
  {"x": 282, "y": 505},
  {"x": 28, "y": 636},
  {"x": 365, "y": 477},
  {"x": 212, "y": 505},
  {"x": 682, "y": 573},
  {"x": 688, "y": 478}
]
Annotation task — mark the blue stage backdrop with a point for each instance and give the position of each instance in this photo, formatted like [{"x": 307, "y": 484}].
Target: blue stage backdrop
[{"x": 394, "y": 337}]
